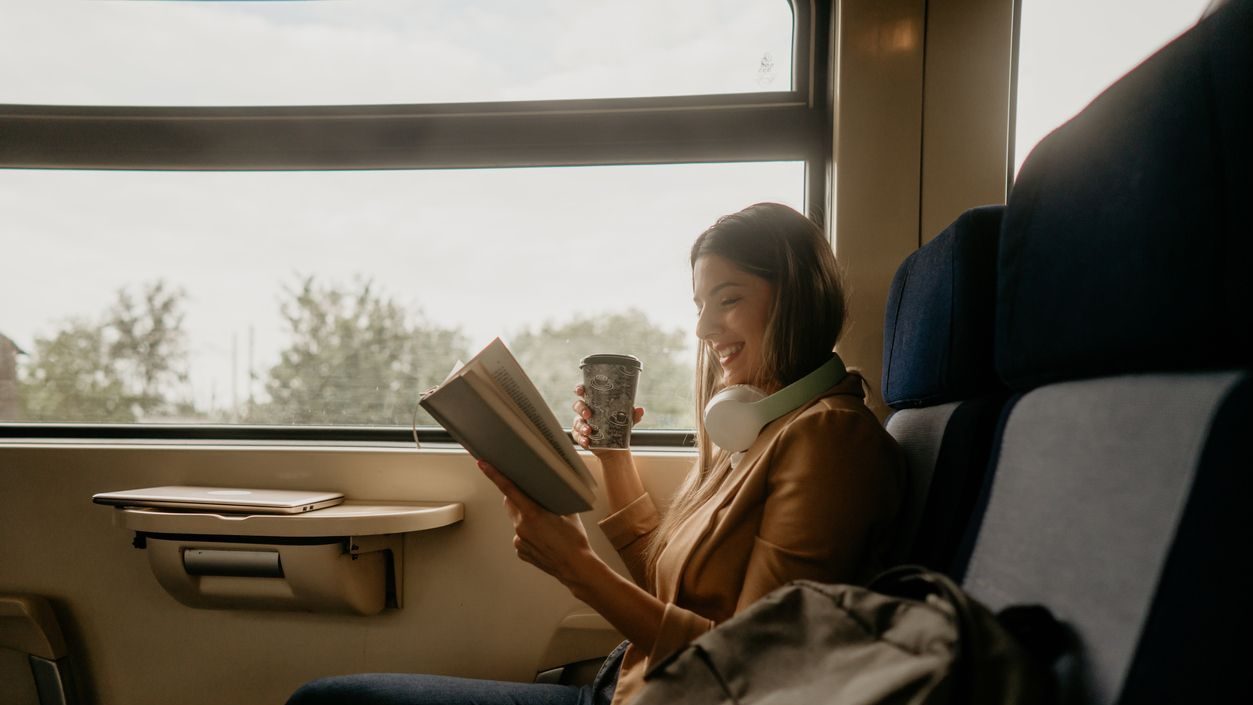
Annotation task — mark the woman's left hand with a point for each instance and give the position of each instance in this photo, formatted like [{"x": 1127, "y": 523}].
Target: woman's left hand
[{"x": 553, "y": 543}]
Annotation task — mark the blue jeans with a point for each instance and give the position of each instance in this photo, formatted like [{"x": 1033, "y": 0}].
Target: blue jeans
[{"x": 416, "y": 689}]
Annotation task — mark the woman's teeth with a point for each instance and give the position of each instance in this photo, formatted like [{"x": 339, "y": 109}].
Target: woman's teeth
[{"x": 725, "y": 355}]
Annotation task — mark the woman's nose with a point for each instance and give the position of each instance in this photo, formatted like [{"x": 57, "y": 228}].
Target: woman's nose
[{"x": 706, "y": 323}]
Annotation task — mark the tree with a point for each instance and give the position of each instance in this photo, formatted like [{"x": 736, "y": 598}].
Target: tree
[
  {"x": 124, "y": 367},
  {"x": 356, "y": 357},
  {"x": 550, "y": 353},
  {"x": 149, "y": 347}
]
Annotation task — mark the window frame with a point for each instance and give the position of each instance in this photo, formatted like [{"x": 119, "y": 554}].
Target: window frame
[
  {"x": 1012, "y": 126},
  {"x": 792, "y": 125}
]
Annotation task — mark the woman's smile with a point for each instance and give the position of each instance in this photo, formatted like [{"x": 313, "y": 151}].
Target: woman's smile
[{"x": 728, "y": 353}]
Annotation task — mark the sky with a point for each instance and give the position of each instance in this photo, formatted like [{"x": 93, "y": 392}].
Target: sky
[{"x": 489, "y": 250}]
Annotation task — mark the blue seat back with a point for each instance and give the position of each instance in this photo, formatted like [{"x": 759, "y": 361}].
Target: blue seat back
[{"x": 938, "y": 375}]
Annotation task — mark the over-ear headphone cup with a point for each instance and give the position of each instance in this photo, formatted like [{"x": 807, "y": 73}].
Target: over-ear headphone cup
[{"x": 730, "y": 419}]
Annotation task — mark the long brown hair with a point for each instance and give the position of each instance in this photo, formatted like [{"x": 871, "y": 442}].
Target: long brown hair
[{"x": 791, "y": 252}]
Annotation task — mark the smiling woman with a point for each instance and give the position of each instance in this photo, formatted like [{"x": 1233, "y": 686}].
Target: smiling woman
[{"x": 812, "y": 494}]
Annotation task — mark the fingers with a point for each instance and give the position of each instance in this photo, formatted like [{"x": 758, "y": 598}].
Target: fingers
[
  {"x": 528, "y": 554},
  {"x": 581, "y": 431},
  {"x": 511, "y": 509},
  {"x": 523, "y": 551},
  {"x": 638, "y": 414}
]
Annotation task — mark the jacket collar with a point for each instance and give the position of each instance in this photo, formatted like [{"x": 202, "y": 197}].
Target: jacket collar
[{"x": 849, "y": 385}]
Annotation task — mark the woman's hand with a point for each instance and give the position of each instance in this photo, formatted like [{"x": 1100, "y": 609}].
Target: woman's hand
[
  {"x": 558, "y": 546},
  {"x": 581, "y": 429},
  {"x": 555, "y": 544}
]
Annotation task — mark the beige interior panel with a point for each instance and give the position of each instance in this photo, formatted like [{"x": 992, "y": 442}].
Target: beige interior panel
[
  {"x": 966, "y": 108},
  {"x": 471, "y": 608},
  {"x": 878, "y": 136}
]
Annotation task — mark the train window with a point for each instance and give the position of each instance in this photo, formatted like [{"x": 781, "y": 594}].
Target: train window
[
  {"x": 67, "y": 52},
  {"x": 1071, "y": 50},
  {"x": 297, "y": 215},
  {"x": 333, "y": 297}
]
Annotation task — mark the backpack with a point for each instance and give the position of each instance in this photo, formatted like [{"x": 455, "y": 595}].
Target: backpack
[{"x": 911, "y": 637}]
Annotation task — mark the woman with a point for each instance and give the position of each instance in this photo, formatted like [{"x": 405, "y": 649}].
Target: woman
[{"x": 814, "y": 496}]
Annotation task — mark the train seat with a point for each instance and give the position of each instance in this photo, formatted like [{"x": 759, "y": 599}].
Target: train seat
[
  {"x": 1121, "y": 464},
  {"x": 29, "y": 626},
  {"x": 939, "y": 378}
]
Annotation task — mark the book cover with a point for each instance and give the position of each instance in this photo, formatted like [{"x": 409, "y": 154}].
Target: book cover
[{"x": 492, "y": 408}]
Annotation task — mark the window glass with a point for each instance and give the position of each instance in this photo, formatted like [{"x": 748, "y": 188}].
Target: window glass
[
  {"x": 337, "y": 297},
  {"x": 109, "y": 52},
  {"x": 1071, "y": 50}
]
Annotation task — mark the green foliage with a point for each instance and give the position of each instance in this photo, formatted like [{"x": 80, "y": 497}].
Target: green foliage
[
  {"x": 550, "y": 354},
  {"x": 122, "y": 368},
  {"x": 148, "y": 346},
  {"x": 354, "y": 357}
]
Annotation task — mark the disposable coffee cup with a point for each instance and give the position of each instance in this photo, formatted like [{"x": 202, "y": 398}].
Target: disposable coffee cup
[{"x": 609, "y": 383}]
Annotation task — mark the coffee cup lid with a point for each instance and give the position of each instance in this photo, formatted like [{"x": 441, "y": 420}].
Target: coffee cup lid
[{"x": 611, "y": 359}]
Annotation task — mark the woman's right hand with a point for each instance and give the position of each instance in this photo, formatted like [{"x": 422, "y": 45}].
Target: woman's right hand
[{"x": 581, "y": 429}]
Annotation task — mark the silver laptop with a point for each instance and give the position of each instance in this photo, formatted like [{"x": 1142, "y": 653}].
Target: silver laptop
[{"x": 222, "y": 499}]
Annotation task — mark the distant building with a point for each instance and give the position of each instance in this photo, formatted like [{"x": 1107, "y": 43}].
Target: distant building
[{"x": 8, "y": 378}]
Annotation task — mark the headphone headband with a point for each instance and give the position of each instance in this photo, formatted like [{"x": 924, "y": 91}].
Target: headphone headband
[{"x": 802, "y": 390}]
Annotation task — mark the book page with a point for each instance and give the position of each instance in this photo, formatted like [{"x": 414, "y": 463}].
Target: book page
[{"x": 456, "y": 368}]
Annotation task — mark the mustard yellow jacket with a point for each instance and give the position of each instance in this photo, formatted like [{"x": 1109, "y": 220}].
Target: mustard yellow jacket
[{"x": 815, "y": 497}]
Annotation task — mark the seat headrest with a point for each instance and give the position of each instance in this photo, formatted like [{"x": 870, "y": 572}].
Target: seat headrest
[
  {"x": 937, "y": 340},
  {"x": 1129, "y": 232}
]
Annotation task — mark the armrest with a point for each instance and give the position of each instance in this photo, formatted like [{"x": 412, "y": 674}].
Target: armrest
[{"x": 28, "y": 625}]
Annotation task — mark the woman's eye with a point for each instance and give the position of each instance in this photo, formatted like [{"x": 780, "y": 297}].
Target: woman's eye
[{"x": 728, "y": 302}]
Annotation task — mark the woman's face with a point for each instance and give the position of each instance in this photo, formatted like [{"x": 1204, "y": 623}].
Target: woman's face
[{"x": 733, "y": 308}]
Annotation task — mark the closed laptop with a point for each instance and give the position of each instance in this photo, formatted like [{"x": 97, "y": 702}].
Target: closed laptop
[{"x": 222, "y": 499}]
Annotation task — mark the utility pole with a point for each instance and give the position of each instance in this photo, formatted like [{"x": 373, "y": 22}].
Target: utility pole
[
  {"x": 234, "y": 375},
  {"x": 252, "y": 375}
]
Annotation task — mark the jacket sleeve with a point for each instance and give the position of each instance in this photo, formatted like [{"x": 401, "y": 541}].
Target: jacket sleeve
[
  {"x": 629, "y": 530},
  {"x": 832, "y": 493}
]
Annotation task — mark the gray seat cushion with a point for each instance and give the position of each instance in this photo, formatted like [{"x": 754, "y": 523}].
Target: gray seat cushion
[
  {"x": 1093, "y": 481},
  {"x": 946, "y": 449}
]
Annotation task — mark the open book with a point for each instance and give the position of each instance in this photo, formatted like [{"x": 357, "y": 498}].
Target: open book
[{"x": 492, "y": 408}]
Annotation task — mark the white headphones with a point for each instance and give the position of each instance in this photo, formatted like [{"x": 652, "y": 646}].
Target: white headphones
[{"x": 736, "y": 415}]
